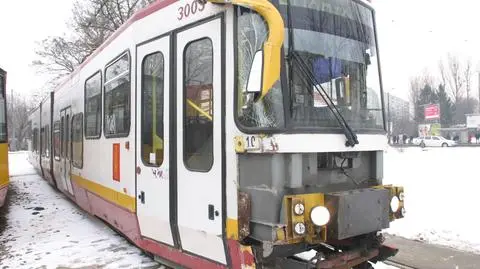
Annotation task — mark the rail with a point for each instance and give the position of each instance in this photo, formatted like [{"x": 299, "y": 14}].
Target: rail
[{"x": 399, "y": 265}]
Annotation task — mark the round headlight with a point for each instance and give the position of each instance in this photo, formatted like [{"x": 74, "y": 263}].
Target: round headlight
[
  {"x": 404, "y": 211},
  {"x": 299, "y": 209},
  {"x": 320, "y": 215},
  {"x": 401, "y": 196},
  {"x": 299, "y": 228},
  {"x": 394, "y": 204}
]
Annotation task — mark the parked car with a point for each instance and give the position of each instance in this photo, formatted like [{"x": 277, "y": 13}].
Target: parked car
[{"x": 433, "y": 141}]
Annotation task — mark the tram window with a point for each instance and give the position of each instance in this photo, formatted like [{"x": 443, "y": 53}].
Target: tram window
[
  {"x": 42, "y": 142},
  {"x": 198, "y": 105},
  {"x": 93, "y": 106},
  {"x": 152, "y": 109},
  {"x": 35, "y": 140},
  {"x": 67, "y": 138},
  {"x": 47, "y": 141},
  {"x": 117, "y": 98},
  {"x": 77, "y": 140},
  {"x": 62, "y": 132},
  {"x": 56, "y": 140},
  {"x": 3, "y": 121},
  {"x": 252, "y": 31}
]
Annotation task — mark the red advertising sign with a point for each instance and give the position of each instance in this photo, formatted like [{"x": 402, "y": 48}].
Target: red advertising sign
[{"x": 432, "y": 112}]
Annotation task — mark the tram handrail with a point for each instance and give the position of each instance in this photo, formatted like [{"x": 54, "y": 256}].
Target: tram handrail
[
  {"x": 198, "y": 109},
  {"x": 273, "y": 45}
]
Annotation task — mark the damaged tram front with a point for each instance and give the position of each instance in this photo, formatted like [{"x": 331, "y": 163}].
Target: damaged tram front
[{"x": 310, "y": 147}]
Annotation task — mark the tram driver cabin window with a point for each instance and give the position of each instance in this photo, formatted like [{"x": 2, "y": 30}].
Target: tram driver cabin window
[
  {"x": 117, "y": 98},
  {"x": 198, "y": 106}
]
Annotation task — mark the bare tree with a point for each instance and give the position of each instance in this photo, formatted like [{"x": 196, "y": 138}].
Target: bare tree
[
  {"x": 93, "y": 21},
  {"x": 468, "y": 73},
  {"x": 59, "y": 56},
  {"x": 18, "y": 108},
  {"x": 453, "y": 76},
  {"x": 416, "y": 84}
]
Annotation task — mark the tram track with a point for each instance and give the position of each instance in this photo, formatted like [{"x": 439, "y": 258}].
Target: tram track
[{"x": 399, "y": 265}]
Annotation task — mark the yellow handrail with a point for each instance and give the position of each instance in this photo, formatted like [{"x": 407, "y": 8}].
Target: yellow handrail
[
  {"x": 272, "y": 46},
  {"x": 194, "y": 106}
]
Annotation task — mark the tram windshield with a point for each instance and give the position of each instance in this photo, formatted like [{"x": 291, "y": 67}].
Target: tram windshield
[{"x": 336, "y": 41}]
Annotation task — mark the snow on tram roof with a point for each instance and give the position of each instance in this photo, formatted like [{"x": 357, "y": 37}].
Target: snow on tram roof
[{"x": 142, "y": 13}]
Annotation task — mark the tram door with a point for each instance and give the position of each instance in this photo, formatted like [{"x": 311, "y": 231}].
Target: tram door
[
  {"x": 153, "y": 180},
  {"x": 199, "y": 139},
  {"x": 66, "y": 124}
]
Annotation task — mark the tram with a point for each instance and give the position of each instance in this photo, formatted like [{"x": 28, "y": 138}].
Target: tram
[
  {"x": 4, "y": 177},
  {"x": 230, "y": 134}
]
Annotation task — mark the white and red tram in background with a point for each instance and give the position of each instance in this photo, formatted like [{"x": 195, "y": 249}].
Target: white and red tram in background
[{"x": 212, "y": 134}]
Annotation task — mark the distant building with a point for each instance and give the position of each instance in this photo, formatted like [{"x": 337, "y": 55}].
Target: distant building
[{"x": 398, "y": 114}]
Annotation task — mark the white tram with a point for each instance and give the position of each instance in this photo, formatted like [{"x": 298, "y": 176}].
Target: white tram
[{"x": 212, "y": 134}]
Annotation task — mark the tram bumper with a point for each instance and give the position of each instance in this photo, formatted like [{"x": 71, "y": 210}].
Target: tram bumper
[
  {"x": 350, "y": 213},
  {"x": 357, "y": 212}
]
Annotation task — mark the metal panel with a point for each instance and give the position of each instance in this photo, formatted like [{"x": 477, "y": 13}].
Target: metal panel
[{"x": 357, "y": 212}]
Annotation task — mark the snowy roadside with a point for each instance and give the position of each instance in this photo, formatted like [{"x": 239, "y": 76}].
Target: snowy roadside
[
  {"x": 441, "y": 186},
  {"x": 45, "y": 230}
]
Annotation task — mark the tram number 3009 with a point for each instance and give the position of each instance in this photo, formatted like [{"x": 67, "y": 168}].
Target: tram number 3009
[{"x": 190, "y": 9}]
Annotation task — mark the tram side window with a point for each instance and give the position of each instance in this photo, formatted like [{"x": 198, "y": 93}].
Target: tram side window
[
  {"x": 152, "y": 109},
  {"x": 93, "y": 106},
  {"x": 47, "y": 141},
  {"x": 67, "y": 138},
  {"x": 3, "y": 121},
  {"x": 62, "y": 132},
  {"x": 117, "y": 98},
  {"x": 198, "y": 106},
  {"x": 77, "y": 140},
  {"x": 56, "y": 140},
  {"x": 35, "y": 140},
  {"x": 42, "y": 141}
]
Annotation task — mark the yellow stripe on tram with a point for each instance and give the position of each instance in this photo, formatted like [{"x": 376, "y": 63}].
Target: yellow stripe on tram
[{"x": 106, "y": 193}]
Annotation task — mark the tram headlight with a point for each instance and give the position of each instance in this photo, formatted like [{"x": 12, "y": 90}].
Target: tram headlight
[
  {"x": 401, "y": 196},
  {"x": 394, "y": 204},
  {"x": 320, "y": 215},
  {"x": 299, "y": 209},
  {"x": 300, "y": 228}
]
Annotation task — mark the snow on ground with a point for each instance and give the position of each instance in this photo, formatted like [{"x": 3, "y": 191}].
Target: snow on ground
[
  {"x": 441, "y": 187},
  {"x": 45, "y": 230}
]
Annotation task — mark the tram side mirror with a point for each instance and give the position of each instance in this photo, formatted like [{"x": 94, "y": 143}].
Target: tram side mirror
[{"x": 255, "y": 77}]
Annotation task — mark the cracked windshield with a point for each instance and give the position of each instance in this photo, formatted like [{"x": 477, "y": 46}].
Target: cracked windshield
[
  {"x": 234, "y": 134},
  {"x": 336, "y": 41}
]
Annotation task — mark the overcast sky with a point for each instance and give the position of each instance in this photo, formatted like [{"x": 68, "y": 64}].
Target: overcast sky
[
  {"x": 22, "y": 23},
  {"x": 413, "y": 35}
]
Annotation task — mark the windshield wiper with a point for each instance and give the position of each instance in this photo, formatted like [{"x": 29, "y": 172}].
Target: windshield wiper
[{"x": 352, "y": 139}]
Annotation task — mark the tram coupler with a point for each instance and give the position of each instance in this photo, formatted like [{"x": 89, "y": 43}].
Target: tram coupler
[{"x": 340, "y": 260}]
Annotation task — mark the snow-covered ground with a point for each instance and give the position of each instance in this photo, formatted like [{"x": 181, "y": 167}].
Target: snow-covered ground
[
  {"x": 45, "y": 230},
  {"x": 441, "y": 187}
]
